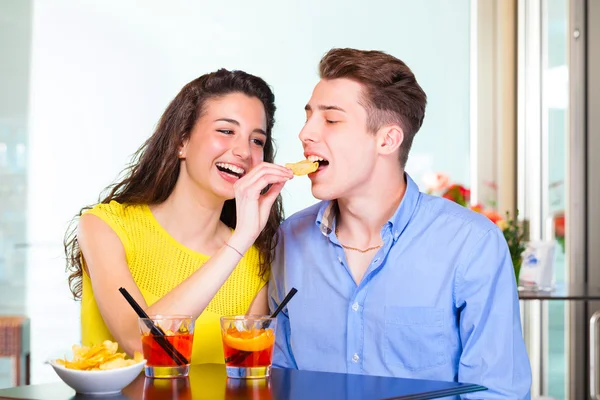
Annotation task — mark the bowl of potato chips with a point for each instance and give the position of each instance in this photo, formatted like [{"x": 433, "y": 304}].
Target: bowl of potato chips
[{"x": 99, "y": 369}]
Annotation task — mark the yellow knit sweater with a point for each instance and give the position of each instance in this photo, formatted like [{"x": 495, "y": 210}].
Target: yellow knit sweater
[{"x": 158, "y": 263}]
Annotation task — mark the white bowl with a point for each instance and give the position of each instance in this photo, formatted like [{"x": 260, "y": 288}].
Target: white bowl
[{"x": 98, "y": 382}]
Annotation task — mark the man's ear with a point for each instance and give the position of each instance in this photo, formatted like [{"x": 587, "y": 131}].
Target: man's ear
[{"x": 390, "y": 139}]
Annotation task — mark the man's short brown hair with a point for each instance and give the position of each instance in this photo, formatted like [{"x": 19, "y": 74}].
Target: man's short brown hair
[{"x": 391, "y": 94}]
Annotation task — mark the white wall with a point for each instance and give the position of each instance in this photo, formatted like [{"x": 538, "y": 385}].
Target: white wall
[
  {"x": 103, "y": 72},
  {"x": 15, "y": 40}
]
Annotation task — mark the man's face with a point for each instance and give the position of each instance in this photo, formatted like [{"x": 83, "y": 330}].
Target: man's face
[{"x": 336, "y": 135}]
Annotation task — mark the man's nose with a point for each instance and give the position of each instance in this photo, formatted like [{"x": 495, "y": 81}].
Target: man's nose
[{"x": 309, "y": 132}]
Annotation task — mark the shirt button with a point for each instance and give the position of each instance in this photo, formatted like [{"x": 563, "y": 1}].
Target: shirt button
[
  {"x": 375, "y": 261},
  {"x": 355, "y": 306},
  {"x": 396, "y": 235},
  {"x": 340, "y": 260},
  {"x": 355, "y": 358}
]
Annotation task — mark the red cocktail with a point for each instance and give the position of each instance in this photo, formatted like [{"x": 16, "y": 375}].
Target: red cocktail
[{"x": 167, "y": 343}]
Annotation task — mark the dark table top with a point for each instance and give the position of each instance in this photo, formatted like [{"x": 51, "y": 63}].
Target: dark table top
[
  {"x": 209, "y": 381},
  {"x": 581, "y": 292}
]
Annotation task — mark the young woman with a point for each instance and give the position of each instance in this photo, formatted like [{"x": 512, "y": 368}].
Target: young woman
[{"x": 190, "y": 228}]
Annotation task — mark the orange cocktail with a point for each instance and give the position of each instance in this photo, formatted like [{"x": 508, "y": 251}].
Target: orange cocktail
[{"x": 248, "y": 343}]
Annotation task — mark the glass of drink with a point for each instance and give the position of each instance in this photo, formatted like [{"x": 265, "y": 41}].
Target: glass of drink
[
  {"x": 248, "y": 342},
  {"x": 167, "y": 345}
]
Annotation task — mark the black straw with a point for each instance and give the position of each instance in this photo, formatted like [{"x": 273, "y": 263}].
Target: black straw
[
  {"x": 286, "y": 300},
  {"x": 158, "y": 334}
]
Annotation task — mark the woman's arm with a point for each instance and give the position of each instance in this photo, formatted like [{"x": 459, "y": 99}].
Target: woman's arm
[{"x": 107, "y": 266}]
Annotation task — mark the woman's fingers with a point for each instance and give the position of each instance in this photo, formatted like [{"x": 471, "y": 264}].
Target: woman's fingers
[
  {"x": 266, "y": 168},
  {"x": 268, "y": 198},
  {"x": 259, "y": 177},
  {"x": 254, "y": 189}
]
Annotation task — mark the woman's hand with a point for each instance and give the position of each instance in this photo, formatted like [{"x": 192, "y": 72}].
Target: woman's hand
[{"x": 252, "y": 207}]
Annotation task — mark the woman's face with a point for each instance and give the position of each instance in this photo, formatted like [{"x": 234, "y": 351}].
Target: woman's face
[{"x": 225, "y": 143}]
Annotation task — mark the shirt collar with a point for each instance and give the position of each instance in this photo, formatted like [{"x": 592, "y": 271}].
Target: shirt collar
[{"x": 329, "y": 211}]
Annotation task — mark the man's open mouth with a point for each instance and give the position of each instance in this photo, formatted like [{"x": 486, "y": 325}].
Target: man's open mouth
[{"x": 322, "y": 162}]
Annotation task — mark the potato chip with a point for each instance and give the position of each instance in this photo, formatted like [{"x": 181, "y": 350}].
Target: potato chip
[
  {"x": 99, "y": 357},
  {"x": 114, "y": 364},
  {"x": 303, "y": 167},
  {"x": 111, "y": 346}
]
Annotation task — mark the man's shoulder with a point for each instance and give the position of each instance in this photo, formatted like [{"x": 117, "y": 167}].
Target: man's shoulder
[
  {"x": 459, "y": 233},
  {"x": 452, "y": 216}
]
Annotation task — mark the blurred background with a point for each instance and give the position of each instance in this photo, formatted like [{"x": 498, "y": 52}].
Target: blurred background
[{"x": 509, "y": 84}]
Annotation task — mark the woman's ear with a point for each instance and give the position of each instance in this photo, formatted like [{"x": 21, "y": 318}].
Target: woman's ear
[{"x": 182, "y": 150}]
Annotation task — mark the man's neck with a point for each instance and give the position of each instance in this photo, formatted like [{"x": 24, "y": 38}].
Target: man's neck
[{"x": 362, "y": 215}]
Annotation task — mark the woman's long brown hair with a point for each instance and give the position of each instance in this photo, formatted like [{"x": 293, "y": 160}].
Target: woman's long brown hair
[{"x": 153, "y": 172}]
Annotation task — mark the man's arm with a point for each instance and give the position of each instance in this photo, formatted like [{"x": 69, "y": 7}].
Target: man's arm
[
  {"x": 282, "y": 356},
  {"x": 493, "y": 350}
]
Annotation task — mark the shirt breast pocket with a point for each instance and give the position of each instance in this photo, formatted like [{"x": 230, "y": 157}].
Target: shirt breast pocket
[{"x": 414, "y": 337}]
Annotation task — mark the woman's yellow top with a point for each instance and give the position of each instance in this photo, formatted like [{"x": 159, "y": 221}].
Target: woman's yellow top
[{"x": 158, "y": 263}]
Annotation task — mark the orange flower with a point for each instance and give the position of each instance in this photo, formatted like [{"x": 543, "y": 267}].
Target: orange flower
[
  {"x": 477, "y": 208},
  {"x": 493, "y": 216},
  {"x": 559, "y": 225}
]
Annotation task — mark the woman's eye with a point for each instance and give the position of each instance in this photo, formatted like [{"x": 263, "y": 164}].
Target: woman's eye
[
  {"x": 258, "y": 142},
  {"x": 225, "y": 131}
]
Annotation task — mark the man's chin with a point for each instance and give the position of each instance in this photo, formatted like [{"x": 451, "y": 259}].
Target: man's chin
[{"x": 320, "y": 193}]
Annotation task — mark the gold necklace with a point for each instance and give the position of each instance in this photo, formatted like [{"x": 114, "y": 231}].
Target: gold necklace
[{"x": 337, "y": 231}]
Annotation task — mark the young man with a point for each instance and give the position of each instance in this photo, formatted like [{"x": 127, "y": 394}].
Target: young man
[{"x": 390, "y": 281}]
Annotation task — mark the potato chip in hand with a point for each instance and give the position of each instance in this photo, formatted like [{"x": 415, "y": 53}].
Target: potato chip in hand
[{"x": 99, "y": 357}]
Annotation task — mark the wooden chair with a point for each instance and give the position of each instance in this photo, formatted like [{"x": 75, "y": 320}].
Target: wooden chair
[{"x": 14, "y": 343}]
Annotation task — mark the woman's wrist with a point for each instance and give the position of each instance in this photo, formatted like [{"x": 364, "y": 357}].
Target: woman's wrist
[
  {"x": 234, "y": 249},
  {"x": 239, "y": 244}
]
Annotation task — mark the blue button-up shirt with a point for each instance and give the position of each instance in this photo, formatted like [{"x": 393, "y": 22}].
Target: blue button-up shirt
[{"x": 438, "y": 301}]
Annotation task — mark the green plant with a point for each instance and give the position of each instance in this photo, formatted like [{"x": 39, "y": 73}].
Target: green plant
[{"x": 515, "y": 235}]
